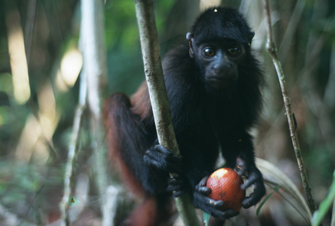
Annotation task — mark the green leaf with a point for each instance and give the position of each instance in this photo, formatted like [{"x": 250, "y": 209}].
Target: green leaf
[
  {"x": 276, "y": 189},
  {"x": 206, "y": 218},
  {"x": 274, "y": 176},
  {"x": 325, "y": 205}
]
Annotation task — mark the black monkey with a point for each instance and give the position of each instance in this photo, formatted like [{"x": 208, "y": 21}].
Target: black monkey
[{"x": 214, "y": 89}]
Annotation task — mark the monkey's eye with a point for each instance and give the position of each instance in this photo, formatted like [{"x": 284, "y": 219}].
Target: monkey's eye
[
  {"x": 234, "y": 51},
  {"x": 209, "y": 52}
]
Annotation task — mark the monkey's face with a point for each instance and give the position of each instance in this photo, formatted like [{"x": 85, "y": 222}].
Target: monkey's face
[{"x": 219, "y": 61}]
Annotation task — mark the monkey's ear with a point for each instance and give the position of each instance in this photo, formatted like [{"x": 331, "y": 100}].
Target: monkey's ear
[{"x": 190, "y": 38}]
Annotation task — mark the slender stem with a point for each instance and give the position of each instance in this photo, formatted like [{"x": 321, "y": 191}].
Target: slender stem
[
  {"x": 154, "y": 74},
  {"x": 95, "y": 65},
  {"x": 68, "y": 178},
  {"x": 333, "y": 215},
  {"x": 271, "y": 48},
  {"x": 73, "y": 150},
  {"x": 31, "y": 11},
  {"x": 158, "y": 97}
]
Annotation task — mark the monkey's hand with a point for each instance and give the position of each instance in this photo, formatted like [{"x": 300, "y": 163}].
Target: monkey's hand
[
  {"x": 163, "y": 159},
  {"x": 254, "y": 177},
  {"x": 210, "y": 206},
  {"x": 178, "y": 185}
]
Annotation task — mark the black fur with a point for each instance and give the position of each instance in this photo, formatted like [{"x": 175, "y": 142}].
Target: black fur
[{"x": 204, "y": 118}]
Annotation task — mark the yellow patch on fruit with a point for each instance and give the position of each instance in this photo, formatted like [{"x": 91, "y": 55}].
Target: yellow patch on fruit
[{"x": 219, "y": 173}]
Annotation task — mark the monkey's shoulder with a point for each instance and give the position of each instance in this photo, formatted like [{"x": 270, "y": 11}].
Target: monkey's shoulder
[{"x": 178, "y": 62}]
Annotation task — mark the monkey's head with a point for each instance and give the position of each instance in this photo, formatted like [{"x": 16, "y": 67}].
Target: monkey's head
[{"x": 220, "y": 40}]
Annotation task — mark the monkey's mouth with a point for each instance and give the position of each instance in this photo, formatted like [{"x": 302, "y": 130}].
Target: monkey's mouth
[{"x": 219, "y": 83}]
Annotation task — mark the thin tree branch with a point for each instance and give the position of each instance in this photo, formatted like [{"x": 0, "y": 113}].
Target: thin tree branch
[
  {"x": 154, "y": 74},
  {"x": 287, "y": 102},
  {"x": 95, "y": 65},
  {"x": 158, "y": 97},
  {"x": 333, "y": 215},
  {"x": 73, "y": 147},
  {"x": 31, "y": 11},
  {"x": 68, "y": 178}
]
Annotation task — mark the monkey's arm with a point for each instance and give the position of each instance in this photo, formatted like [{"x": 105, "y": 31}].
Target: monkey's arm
[{"x": 239, "y": 154}]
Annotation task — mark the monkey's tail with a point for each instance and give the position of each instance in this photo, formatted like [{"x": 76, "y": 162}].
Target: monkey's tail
[
  {"x": 144, "y": 215},
  {"x": 125, "y": 137},
  {"x": 153, "y": 211},
  {"x": 119, "y": 119}
]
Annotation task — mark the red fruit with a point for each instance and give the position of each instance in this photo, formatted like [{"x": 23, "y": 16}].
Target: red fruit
[{"x": 225, "y": 184}]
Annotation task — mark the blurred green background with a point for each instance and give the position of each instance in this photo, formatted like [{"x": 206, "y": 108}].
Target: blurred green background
[{"x": 40, "y": 64}]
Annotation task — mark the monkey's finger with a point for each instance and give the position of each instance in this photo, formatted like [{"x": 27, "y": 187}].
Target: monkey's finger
[
  {"x": 177, "y": 180},
  {"x": 173, "y": 181},
  {"x": 156, "y": 153},
  {"x": 224, "y": 214},
  {"x": 175, "y": 185},
  {"x": 151, "y": 162},
  {"x": 249, "y": 182},
  {"x": 172, "y": 158},
  {"x": 152, "y": 155},
  {"x": 171, "y": 188},
  {"x": 158, "y": 160},
  {"x": 241, "y": 171},
  {"x": 178, "y": 193},
  {"x": 240, "y": 166},
  {"x": 148, "y": 157},
  {"x": 255, "y": 197},
  {"x": 169, "y": 161},
  {"x": 213, "y": 203},
  {"x": 203, "y": 181},
  {"x": 217, "y": 204},
  {"x": 162, "y": 149},
  {"x": 175, "y": 189},
  {"x": 211, "y": 206},
  {"x": 159, "y": 147},
  {"x": 255, "y": 175},
  {"x": 249, "y": 201},
  {"x": 203, "y": 190}
]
